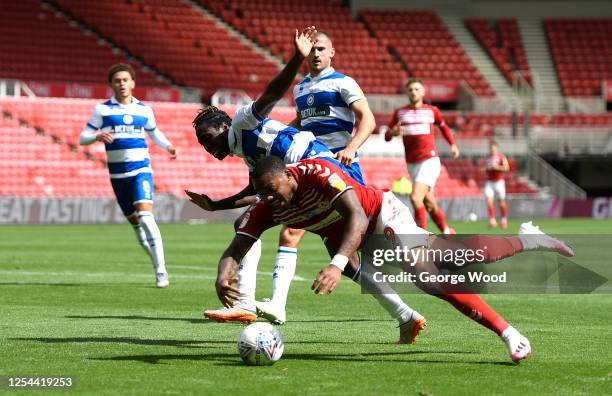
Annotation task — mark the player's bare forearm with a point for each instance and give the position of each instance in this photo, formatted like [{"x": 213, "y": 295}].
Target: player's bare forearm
[
  {"x": 367, "y": 123},
  {"x": 356, "y": 223},
  {"x": 227, "y": 267},
  {"x": 281, "y": 83},
  {"x": 244, "y": 198}
]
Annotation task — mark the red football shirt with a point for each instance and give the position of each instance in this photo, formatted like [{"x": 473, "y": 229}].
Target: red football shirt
[
  {"x": 494, "y": 160},
  {"x": 417, "y": 126},
  {"x": 320, "y": 183}
]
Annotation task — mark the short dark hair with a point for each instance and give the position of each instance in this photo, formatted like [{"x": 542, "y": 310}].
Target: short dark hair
[
  {"x": 493, "y": 143},
  {"x": 268, "y": 165},
  {"x": 212, "y": 116},
  {"x": 325, "y": 34},
  {"x": 413, "y": 80},
  {"x": 119, "y": 67}
]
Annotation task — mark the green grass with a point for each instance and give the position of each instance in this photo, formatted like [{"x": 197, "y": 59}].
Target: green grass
[{"x": 79, "y": 301}]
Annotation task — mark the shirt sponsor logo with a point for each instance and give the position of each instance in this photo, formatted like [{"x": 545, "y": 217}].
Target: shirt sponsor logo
[
  {"x": 127, "y": 129},
  {"x": 315, "y": 112}
]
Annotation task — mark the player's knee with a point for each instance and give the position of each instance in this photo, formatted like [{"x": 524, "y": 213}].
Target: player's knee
[
  {"x": 416, "y": 198},
  {"x": 430, "y": 206},
  {"x": 289, "y": 237}
]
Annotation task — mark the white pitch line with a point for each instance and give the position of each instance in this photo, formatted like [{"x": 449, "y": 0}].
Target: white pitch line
[
  {"x": 120, "y": 274},
  {"x": 194, "y": 267}
]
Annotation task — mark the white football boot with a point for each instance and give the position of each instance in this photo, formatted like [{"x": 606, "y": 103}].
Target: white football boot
[
  {"x": 534, "y": 239},
  {"x": 518, "y": 345},
  {"x": 161, "y": 280},
  {"x": 271, "y": 312}
]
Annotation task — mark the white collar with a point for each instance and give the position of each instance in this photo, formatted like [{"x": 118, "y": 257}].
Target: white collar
[
  {"x": 324, "y": 73},
  {"x": 114, "y": 101}
]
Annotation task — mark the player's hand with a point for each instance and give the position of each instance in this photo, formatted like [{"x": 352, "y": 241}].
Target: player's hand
[
  {"x": 326, "y": 280},
  {"x": 172, "y": 151},
  {"x": 396, "y": 130},
  {"x": 346, "y": 156},
  {"x": 104, "y": 137},
  {"x": 304, "y": 41},
  {"x": 227, "y": 293},
  {"x": 202, "y": 200},
  {"x": 454, "y": 151}
]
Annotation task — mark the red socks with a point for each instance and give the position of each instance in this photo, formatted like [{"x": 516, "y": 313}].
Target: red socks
[
  {"x": 504, "y": 210},
  {"x": 494, "y": 247},
  {"x": 491, "y": 210},
  {"x": 439, "y": 219},
  {"x": 420, "y": 217},
  {"x": 474, "y": 307}
]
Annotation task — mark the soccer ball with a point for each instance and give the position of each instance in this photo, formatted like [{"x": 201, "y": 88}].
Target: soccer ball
[
  {"x": 472, "y": 217},
  {"x": 260, "y": 344}
]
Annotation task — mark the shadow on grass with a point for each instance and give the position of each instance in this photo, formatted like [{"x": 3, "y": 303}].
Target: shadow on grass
[
  {"x": 194, "y": 320},
  {"x": 139, "y": 317},
  {"x": 225, "y": 359},
  {"x": 49, "y": 284},
  {"x": 183, "y": 343},
  {"x": 127, "y": 340}
]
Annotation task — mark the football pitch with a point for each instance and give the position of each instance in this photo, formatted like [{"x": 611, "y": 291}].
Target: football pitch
[{"x": 80, "y": 301}]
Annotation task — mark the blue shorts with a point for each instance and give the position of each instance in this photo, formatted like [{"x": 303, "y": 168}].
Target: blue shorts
[
  {"x": 131, "y": 190},
  {"x": 353, "y": 171}
]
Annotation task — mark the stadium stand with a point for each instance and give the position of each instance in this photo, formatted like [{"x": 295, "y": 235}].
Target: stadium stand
[
  {"x": 61, "y": 121},
  {"x": 581, "y": 50},
  {"x": 178, "y": 40},
  {"x": 482, "y": 125},
  {"x": 64, "y": 169},
  {"x": 30, "y": 50},
  {"x": 33, "y": 165},
  {"x": 502, "y": 41},
  {"x": 424, "y": 44},
  {"x": 358, "y": 54}
]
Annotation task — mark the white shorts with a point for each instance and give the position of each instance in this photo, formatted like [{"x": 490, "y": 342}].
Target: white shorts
[
  {"x": 396, "y": 216},
  {"x": 495, "y": 188},
  {"x": 426, "y": 172}
]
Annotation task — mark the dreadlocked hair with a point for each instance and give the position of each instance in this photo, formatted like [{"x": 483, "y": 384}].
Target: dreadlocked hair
[{"x": 212, "y": 116}]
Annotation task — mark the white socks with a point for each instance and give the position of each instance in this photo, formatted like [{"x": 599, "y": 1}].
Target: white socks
[
  {"x": 142, "y": 238},
  {"x": 284, "y": 270},
  {"x": 153, "y": 239},
  {"x": 247, "y": 276},
  {"x": 392, "y": 303}
]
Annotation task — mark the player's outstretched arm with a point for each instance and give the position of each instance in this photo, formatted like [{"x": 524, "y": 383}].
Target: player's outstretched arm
[
  {"x": 279, "y": 85},
  {"x": 228, "y": 265},
  {"x": 244, "y": 198},
  {"x": 356, "y": 225}
]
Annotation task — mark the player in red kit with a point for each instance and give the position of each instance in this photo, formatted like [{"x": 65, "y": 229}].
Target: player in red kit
[
  {"x": 495, "y": 165},
  {"x": 316, "y": 195},
  {"x": 416, "y": 124}
]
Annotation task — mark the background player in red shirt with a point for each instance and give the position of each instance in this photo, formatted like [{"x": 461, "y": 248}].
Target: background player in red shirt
[
  {"x": 316, "y": 195},
  {"x": 416, "y": 123},
  {"x": 495, "y": 165}
]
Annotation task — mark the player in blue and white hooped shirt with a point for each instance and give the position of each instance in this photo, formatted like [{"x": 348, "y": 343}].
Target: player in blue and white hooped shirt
[
  {"x": 251, "y": 136},
  {"x": 123, "y": 123},
  {"x": 328, "y": 104}
]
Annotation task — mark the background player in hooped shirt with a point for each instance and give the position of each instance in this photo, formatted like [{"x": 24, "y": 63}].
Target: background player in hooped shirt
[
  {"x": 328, "y": 104},
  {"x": 496, "y": 164},
  {"x": 123, "y": 121},
  {"x": 318, "y": 196},
  {"x": 416, "y": 124},
  {"x": 251, "y": 136}
]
